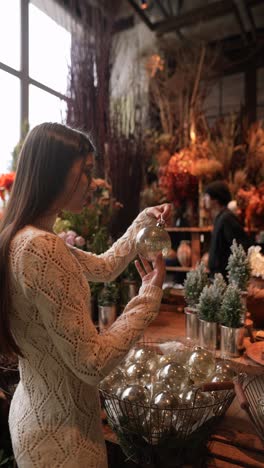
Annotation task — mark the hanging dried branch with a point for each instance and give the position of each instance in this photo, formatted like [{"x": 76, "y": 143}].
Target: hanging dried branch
[
  {"x": 179, "y": 87},
  {"x": 89, "y": 75}
]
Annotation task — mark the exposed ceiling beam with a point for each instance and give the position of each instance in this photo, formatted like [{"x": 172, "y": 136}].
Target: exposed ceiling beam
[
  {"x": 240, "y": 23},
  {"x": 141, "y": 14},
  {"x": 213, "y": 10},
  {"x": 251, "y": 20},
  {"x": 163, "y": 10}
]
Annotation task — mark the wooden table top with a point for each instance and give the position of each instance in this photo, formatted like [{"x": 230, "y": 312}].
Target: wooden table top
[{"x": 235, "y": 442}]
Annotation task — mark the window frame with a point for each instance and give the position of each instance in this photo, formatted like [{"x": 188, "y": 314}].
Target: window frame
[{"x": 23, "y": 72}]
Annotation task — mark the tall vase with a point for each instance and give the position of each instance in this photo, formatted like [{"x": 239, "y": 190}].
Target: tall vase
[{"x": 184, "y": 253}]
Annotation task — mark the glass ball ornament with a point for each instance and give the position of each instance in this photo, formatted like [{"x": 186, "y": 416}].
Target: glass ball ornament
[
  {"x": 153, "y": 240},
  {"x": 174, "y": 376},
  {"x": 165, "y": 400},
  {"x": 138, "y": 373},
  {"x": 164, "y": 359},
  {"x": 113, "y": 381},
  {"x": 155, "y": 387},
  {"x": 142, "y": 354},
  {"x": 157, "y": 424},
  {"x": 133, "y": 398},
  {"x": 195, "y": 398},
  {"x": 201, "y": 365},
  {"x": 224, "y": 368}
]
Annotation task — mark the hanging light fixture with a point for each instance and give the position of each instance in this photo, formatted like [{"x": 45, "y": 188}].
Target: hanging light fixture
[{"x": 144, "y": 4}]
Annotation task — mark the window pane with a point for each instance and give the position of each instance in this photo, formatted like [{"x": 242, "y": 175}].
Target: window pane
[
  {"x": 9, "y": 118},
  {"x": 44, "y": 107},
  {"x": 49, "y": 50},
  {"x": 10, "y": 33}
]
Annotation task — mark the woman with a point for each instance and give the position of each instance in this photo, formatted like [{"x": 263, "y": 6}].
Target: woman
[{"x": 45, "y": 302}]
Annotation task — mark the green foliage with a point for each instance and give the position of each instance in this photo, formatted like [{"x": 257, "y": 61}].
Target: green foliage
[
  {"x": 194, "y": 283},
  {"x": 17, "y": 149},
  {"x": 232, "y": 308},
  {"x": 238, "y": 267},
  {"x": 109, "y": 295},
  {"x": 210, "y": 303}
]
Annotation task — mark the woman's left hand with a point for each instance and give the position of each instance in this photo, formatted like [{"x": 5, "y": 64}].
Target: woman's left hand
[{"x": 160, "y": 211}]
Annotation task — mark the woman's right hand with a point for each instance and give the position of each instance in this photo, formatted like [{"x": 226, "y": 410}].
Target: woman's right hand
[{"x": 151, "y": 275}]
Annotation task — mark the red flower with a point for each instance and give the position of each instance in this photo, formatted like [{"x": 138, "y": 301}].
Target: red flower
[{"x": 6, "y": 182}]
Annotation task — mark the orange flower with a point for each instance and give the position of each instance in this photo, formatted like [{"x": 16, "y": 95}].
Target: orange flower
[{"x": 6, "y": 182}]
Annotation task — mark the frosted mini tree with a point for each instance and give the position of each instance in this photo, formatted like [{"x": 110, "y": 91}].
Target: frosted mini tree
[
  {"x": 210, "y": 300},
  {"x": 194, "y": 283},
  {"x": 238, "y": 267},
  {"x": 232, "y": 308}
]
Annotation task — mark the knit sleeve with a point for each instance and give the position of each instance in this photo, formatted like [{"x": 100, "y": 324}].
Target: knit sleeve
[
  {"x": 107, "y": 266},
  {"x": 53, "y": 281}
]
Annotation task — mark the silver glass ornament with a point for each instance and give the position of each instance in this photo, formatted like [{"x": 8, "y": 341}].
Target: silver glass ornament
[
  {"x": 133, "y": 398},
  {"x": 113, "y": 381},
  {"x": 223, "y": 367},
  {"x": 142, "y": 354},
  {"x": 138, "y": 373},
  {"x": 165, "y": 400},
  {"x": 164, "y": 359},
  {"x": 201, "y": 365},
  {"x": 174, "y": 376},
  {"x": 151, "y": 241}
]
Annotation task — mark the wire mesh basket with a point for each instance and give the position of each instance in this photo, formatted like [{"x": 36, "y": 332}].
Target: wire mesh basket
[
  {"x": 251, "y": 399},
  {"x": 149, "y": 435}
]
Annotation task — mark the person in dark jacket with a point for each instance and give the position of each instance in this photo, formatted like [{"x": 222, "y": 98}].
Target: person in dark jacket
[{"x": 226, "y": 227}]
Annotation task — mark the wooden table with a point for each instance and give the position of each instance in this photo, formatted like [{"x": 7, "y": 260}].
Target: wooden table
[{"x": 235, "y": 442}]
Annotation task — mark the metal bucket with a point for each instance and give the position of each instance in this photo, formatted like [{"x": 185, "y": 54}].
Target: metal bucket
[
  {"x": 191, "y": 324},
  {"x": 208, "y": 334},
  {"x": 231, "y": 341},
  {"x": 107, "y": 316}
]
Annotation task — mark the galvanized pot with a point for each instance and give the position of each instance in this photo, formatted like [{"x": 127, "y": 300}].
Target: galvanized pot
[
  {"x": 191, "y": 324},
  {"x": 231, "y": 341},
  {"x": 107, "y": 316},
  {"x": 208, "y": 334}
]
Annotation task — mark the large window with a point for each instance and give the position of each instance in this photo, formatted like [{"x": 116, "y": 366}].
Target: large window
[
  {"x": 35, "y": 49},
  {"x": 9, "y": 117}
]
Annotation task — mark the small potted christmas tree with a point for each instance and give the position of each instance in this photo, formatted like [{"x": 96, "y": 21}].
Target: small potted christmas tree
[
  {"x": 208, "y": 312},
  {"x": 107, "y": 304},
  {"x": 231, "y": 319},
  {"x": 194, "y": 283},
  {"x": 239, "y": 269}
]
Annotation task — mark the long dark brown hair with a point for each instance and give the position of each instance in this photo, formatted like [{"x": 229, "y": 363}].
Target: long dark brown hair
[{"x": 46, "y": 157}]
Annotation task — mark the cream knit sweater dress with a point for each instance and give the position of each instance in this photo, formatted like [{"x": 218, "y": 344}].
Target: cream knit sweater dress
[{"x": 55, "y": 412}]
